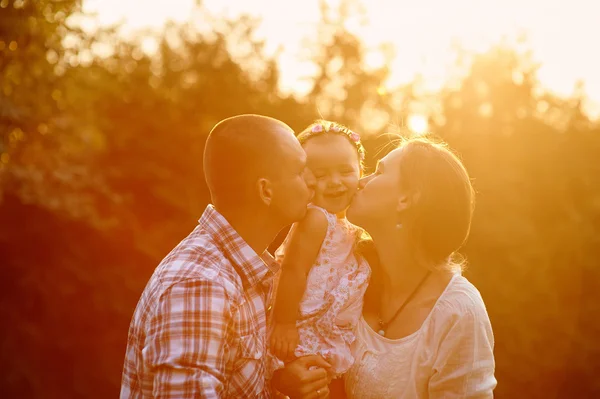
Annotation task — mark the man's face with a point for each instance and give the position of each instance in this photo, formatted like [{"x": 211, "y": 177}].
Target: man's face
[{"x": 290, "y": 180}]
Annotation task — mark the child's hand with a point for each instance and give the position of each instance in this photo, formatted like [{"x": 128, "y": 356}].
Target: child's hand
[{"x": 284, "y": 341}]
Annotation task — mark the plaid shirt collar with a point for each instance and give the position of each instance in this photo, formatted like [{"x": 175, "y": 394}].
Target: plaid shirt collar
[{"x": 251, "y": 267}]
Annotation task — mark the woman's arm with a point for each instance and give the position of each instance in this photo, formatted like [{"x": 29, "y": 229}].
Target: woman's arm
[
  {"x": 464, "y": 367},
  {"x": 302, "y": 251}
]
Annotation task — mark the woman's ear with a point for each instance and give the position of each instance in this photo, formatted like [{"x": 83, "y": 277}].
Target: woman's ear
[
  {"x": 405, "y": 201},
  {"x": 265, "y": 191}
]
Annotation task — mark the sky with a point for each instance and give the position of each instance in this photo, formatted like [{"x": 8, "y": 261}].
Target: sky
[{"x": 563, "y": 34}]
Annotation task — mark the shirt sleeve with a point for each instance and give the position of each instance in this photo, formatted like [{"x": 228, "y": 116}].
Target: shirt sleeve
[
  {"x": 186, "y": 340},
  {"x": 464, "y": 367}
]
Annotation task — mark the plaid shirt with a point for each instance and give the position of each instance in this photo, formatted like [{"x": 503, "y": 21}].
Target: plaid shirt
[{"x": 200, "y": 327}]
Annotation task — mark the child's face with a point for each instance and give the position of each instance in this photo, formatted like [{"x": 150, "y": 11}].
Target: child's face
[{"x": 335, "y": 164}]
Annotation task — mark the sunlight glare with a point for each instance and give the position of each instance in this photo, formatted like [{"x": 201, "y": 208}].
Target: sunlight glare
[
  {"x": 139, "y": 14},
  {"x": 422, "y": 41},
  {"x": 418, "y": 124}
]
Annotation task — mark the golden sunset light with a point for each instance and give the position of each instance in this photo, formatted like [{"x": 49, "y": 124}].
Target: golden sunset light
[
  {"x": 421, "y": 34},
  {"x": 339, "y": 199},
  {"x": 417, "y": 124}
]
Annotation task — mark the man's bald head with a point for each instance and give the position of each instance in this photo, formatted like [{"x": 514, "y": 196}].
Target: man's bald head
[{"x": 241, "y": 149}]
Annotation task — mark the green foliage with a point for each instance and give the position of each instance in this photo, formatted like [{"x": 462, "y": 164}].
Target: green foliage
[{"x": 100, "y": 171}]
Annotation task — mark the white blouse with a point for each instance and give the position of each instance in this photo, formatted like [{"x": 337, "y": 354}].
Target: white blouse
[{"x": 450, "y": 356}]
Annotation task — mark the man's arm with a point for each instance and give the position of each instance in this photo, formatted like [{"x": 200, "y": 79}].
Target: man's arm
[
  {"x": 305, "y": 377},
  {"x": 185, "y": 341}
]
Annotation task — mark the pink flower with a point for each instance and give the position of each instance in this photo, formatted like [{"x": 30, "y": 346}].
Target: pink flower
[
  {"x": 354, "y": 137},
  {"x": 336, "y": 128},
  {"x": 317, "y": 128}
]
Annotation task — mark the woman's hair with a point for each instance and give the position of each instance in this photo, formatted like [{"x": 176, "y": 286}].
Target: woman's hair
[
  {"x": 439, "y": 218},
  {"x": 323, "y": 127}
]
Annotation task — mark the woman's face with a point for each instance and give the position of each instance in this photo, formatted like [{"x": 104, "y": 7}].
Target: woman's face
[{"x": 378, "y": 201}]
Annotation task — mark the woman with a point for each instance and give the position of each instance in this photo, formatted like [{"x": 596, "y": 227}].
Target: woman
[{"x": 425, "y": 332}]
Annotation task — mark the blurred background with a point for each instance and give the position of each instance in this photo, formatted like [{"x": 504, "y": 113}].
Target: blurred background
[{"x": 105, "y": 106}]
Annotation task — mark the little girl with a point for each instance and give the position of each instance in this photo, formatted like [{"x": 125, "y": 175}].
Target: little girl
[{"x": 320, "y": 293}]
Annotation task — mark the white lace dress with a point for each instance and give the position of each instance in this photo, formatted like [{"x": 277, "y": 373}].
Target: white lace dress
[
  {"x": 332, "y": 303},
  {"x": 450, "y": 356}
]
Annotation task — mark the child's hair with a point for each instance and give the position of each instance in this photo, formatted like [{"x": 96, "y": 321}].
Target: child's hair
[{"x": 323, "y": 127}]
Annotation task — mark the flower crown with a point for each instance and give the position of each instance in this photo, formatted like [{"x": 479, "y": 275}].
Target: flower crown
[{"x": 323, "y": 127}]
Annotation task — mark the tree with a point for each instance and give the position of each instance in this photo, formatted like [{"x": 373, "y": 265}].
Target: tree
[
  {"x": 45, "y": 148},
  {"x": 344, "y": 88},
  {"x": 531, "y": 159}
]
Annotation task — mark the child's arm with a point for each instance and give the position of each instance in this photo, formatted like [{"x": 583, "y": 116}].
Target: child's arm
[{"x": 303, "y": 248}]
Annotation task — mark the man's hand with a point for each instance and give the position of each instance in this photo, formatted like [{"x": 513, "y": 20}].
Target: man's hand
[
  {"x": 303, "y": 378},
  {"x": 284, "y": 340}
]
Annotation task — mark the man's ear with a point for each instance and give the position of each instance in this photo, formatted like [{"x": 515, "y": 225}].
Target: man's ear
[{"x": 265, "y": 190}]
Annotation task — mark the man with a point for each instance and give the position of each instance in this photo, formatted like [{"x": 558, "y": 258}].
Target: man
[{"x": 199, "y": 329}]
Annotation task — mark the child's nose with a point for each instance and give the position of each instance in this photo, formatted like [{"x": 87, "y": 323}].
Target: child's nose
[{"x": 335, "y": 179}]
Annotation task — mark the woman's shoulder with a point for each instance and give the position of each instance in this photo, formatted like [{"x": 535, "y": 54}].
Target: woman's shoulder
[
  {"x": 461, "y": 300},
  {"x": 461, "y": 321}
]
